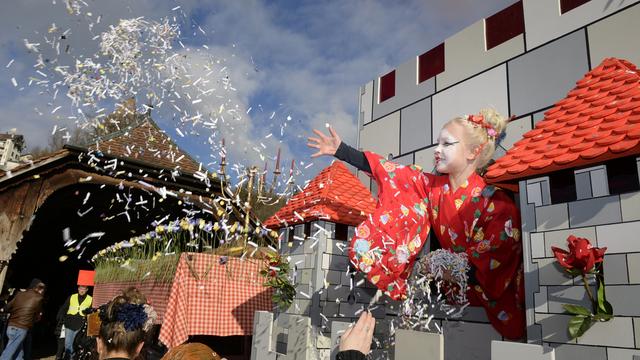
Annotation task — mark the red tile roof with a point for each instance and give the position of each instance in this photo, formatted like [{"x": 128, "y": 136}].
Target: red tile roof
[
  {"x": 146, "y": 142},
  {"x": 335, "y": 195},
  {"x": 599, "y": 120}
]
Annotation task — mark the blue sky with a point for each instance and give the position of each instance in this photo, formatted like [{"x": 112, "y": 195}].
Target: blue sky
[{"x": 302, "y": 60}]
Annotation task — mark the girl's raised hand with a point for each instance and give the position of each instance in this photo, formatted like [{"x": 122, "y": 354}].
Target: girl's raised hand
[{"x": 326, "y": 145}]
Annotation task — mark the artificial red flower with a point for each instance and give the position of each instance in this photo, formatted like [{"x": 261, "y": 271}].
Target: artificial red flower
[{"x": 581, "y": 255}]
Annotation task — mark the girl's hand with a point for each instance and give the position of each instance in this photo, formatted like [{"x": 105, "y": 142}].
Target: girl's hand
[
  {"x": 359, "y": 336},
  {"x": 326, "y": 145}
]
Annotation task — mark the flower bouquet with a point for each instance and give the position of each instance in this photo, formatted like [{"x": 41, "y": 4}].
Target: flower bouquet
[{"x": 276, "y": 274}]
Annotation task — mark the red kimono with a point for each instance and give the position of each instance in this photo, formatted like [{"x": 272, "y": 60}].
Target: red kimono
[{"x": 477, "y": 219}]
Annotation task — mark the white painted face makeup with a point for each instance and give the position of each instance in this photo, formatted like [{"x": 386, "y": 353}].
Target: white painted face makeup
[{"x": 449, "y": 153}]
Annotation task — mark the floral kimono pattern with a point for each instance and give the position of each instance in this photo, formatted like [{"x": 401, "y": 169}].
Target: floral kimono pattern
[{"x": 477, "y": 219}]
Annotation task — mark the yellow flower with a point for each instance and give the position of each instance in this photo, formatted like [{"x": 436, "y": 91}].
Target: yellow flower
[
  {"x": 160, "y": 229},
  {"x": 234, "y": 227},
  {"x": 184, "y": 224},
  {"x": 216, "y": 226},
  {"x": 201, "y": 224}
]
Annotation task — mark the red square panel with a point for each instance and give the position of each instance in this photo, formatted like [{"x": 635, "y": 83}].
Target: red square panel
[
  {"x": 431, "y": 63},
  {"x": 387, "y": 86},
  {"x": 568, "y": 5},
  {"x": 504, "y": 25}
]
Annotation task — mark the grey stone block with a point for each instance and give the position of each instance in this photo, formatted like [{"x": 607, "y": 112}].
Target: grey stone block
[
  {"x": 622, "y": 354},
  {"x": 299, "y": 342},
  {"x": 311, "y": 245},
  {"x": 464, "y": 340},
  {"x": 579, "y": 352},
  {"x": 554, "y": 327},
  {"x": 297, "y": 248},
  {"x": 615, "y": 269},
  {"x": 298, "y": 261},
  {"x": 309, "y": 262},
  {"x": 633, "y": 263},
  {"x": 337, "y": 247},
  {"x": 417, "y": 345},
  {"x": 537, "y": 245},
  {"x": 282, "y": 320},
  {"x": 337, "y": 329},
  {"x": 630, "y": 204},
  {"x": 615, "y": 332},
  {"x": 550, "y": 273},
  {"x": 300, "y": 307},
  {"x": 330, "y": 309},
  {"x": 323, "y": 342},
  {"x": 262, "y": 335},
  {"x": 304, "y": 276},
  {"x": 619, "y": 238},
  {"x": 507, "y": 350},
  {"x": 471, "y": 313},
  {"x": 341, "y": 293},
  {"x": 334, "y": 277},
  {"x": 541, "y": 302},
  {"x": 365, "y": 295},
  {"x": 620, "y": 297},
  {"x": 559, "y": 238},
  {"x": 552, "y": 217},
  {"x": 351, "y": 310},
  {"x": 596, "y": 211},
  {"x": 574, "y": 295},
  {"x": 335, "y": 262}
]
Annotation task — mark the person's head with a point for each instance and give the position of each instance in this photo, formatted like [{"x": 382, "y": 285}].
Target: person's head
[
  {"x": 469, "y": 141},
  {"x": 134, "y": 295},
  {"x": 37, "y": 285},
  {"x": 123, "y": 326},
  {"x": 82, "y": 290},
  {"x": 191, "y": 351}
]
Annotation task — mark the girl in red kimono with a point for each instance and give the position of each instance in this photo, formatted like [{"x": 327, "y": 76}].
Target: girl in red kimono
[{"x": 465, "y": 214}]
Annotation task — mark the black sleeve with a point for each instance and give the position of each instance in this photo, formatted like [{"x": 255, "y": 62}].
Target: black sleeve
[
  {"x": 352, "y": 156},
  {"x": 350, "y": 355}
]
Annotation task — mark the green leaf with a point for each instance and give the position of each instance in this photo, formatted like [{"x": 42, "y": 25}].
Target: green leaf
[
  {"x": 578, "y": 325},
  {"x": 576, "y": 309},
  {"x": 604, "y": 307}
]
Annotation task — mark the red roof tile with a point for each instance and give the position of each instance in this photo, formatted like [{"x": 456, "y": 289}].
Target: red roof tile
[
  {"x": 146, "y": 142},
  {"x": 597, "y": 121},
  {"x": 335, "y": 195}
]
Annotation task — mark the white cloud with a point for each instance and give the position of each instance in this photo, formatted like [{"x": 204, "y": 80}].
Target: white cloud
[{"x": 307, "y": 61}]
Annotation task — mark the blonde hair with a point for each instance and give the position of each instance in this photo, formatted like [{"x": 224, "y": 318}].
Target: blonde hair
[{"x": 478, "y": 135}]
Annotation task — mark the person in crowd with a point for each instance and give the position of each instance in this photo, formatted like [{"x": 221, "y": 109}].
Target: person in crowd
[
  {"x": 124, "y": 323},
  {"x": 25, "y": 310},
  {"x": 72, "y": 316}
]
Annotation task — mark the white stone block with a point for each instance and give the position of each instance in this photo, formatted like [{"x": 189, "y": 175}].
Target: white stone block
[
  {"x": 619, "y": 238},
  {"x": 418, "y": 345},
  {"x": 508, "y": 350}
]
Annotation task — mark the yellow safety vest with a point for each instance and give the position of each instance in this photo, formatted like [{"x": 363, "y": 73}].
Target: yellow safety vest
[{"x": 75, "y": 307}]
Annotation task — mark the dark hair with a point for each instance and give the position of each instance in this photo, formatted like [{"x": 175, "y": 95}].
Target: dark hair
[
  {"x": 36, "y": 284},
  {"x": 121, "y": 329},
  {"x": 134, "y": 295}
]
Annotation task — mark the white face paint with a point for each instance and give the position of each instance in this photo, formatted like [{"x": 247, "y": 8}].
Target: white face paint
[{"x": 448, "y": 153}]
